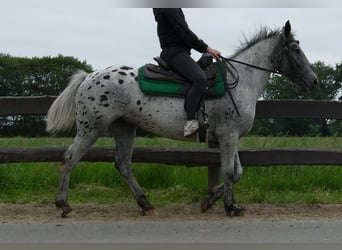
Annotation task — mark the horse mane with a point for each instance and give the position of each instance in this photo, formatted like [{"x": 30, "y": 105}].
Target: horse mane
[{"x": 263, "y": 34}]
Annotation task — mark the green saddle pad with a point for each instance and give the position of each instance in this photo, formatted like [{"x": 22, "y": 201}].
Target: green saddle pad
[{"x": 167, "y": 88}]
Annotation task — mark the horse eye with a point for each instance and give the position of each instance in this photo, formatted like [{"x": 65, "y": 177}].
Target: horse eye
[{"x": 296, "y": 49}]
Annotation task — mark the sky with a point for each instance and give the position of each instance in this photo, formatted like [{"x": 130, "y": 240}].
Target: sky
[{"x": 105, "y": 34}]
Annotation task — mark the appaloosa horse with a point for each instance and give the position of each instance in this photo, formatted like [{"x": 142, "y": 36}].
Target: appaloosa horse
[{"x": 111, "y": 100}]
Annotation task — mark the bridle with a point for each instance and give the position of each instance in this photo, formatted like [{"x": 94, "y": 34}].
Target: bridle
[
  {"x": 276, "y": 70},
  {"x": 229, "y": 67}
]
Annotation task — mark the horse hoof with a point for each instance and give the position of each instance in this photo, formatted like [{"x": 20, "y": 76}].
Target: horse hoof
[
  {"x": 235, "y": 210},
  {"x": 204, "y": 205},
  {"x": 149, "y": 212},
  {"x": 69, "y": 215}
]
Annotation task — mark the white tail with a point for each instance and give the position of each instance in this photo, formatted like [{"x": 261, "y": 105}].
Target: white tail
[{"x": 61, "y": 114}]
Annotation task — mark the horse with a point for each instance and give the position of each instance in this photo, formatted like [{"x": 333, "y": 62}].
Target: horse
[{"x": 111, "y": 101}]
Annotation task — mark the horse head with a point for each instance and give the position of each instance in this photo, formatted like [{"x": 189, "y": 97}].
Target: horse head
[{"x": 289, "y": 59}]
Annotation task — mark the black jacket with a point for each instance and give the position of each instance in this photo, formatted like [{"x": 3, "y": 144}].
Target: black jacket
[{"x": 173, "y": 31}]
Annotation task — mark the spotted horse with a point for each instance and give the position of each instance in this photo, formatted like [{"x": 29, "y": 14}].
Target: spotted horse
[{"x": 111, "y": 101}]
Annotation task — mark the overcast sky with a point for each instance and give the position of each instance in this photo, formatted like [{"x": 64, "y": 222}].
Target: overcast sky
[{"x": 107, "y": 35}]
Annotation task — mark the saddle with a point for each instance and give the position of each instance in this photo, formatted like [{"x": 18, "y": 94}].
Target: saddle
[{"x": 163, "y": 72}]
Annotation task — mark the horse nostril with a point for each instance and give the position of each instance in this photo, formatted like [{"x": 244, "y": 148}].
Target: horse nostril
[{"x": 314, "y": 83}]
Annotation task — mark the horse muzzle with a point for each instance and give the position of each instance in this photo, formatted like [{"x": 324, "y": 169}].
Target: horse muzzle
[{"x": 309, "y": 81}]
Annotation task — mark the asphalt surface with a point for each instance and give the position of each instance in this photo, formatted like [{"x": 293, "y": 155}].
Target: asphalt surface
[{"x": 175, "y": 232}]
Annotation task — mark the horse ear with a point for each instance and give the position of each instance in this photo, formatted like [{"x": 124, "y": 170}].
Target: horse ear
[{"x": 287, "y": 29}]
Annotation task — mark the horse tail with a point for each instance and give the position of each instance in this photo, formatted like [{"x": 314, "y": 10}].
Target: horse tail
[{"x": 61, "y": 114}]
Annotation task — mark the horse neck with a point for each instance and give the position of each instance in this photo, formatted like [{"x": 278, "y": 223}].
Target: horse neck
[{"x": 259, "y": 55}]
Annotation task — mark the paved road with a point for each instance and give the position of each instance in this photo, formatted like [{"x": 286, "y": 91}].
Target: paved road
[{"x": 180, "y": 232}]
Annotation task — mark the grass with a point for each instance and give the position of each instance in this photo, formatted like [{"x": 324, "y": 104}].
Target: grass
[{"x": 101, "y": 183}]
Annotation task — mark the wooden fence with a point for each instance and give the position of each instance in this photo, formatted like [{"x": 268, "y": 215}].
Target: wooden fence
[
  {"x": 188, "y": 157},
  {"x": 39, "y": 105}
]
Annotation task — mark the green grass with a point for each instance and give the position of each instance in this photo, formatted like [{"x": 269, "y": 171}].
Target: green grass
[{"x": 101, "y": 183}]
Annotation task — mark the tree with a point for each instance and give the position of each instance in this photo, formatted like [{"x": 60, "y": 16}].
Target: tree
[
  {"x": 330, "y": 80},
  {"x": 33, "y": 76}
]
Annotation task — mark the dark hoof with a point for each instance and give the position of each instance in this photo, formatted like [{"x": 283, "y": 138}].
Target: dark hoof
[
  {"x": 70, "y": 214},
  {"x": 205, "y": 205},
  {"x": 67, "y": 211},
  {"x": 149, "y": 212},
  {"x": 234, "y": 210}
]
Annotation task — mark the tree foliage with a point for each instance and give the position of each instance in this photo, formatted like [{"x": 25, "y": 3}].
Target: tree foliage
[
  {"x": 33, "y": 77},
  {"x": 329, "y": 87}
]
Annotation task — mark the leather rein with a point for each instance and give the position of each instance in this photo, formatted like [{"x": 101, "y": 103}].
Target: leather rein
[{"x": 233, "y": 71}]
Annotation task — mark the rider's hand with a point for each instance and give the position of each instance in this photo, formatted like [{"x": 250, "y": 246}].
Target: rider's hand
[{"x": 215, "y": 53}]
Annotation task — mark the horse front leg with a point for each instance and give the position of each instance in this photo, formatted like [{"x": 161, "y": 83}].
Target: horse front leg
[
  {"x": 216, "y": 190},
  {"x": 229, "y": 158},
  {"x": 214, "y": 173},
  {"x": 230, "y": 206}
]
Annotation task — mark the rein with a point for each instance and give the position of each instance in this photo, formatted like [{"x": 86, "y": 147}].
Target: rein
[
  {"x": 228, "y": 60},
  {"x": 231, "y": 69},
  {"x": 229, "y": 85},
  {"x": 285, "y": 47},
  {"x": 224, "y": 60}
]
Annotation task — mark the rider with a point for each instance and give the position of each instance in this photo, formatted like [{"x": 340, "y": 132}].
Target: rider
[{"x": 176, "y": 40}]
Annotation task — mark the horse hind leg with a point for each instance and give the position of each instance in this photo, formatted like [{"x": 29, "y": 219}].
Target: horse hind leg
[
  {"x": 124, "y": 135},
  {"x": 75, "y": 152}
]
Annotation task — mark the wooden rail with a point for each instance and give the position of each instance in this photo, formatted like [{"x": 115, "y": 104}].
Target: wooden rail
[
  {"x": 25, "y": 105},
  {"x": 10, "y": 106},
  {"x": 176, "y": 156},
  {"x": 39, "y": 105}
]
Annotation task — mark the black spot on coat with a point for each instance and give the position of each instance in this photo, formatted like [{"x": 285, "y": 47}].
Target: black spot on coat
[
  {"x": 125, "y": 68},
  {"x": 103, "y": 98}
]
